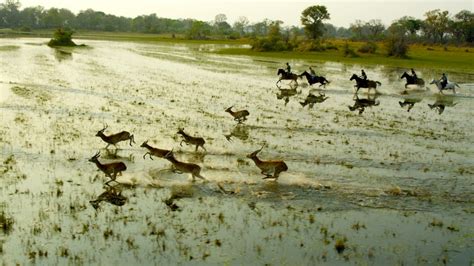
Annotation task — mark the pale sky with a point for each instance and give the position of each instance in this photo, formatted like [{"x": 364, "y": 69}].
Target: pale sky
[{"x": 343, "y": 12}]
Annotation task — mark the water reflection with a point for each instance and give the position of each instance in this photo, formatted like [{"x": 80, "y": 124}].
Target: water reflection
[
  {"x": 112, "y": 195},
  {"x": 361, "y": 104},
  {"x": 442, "y": 102},
  {"x": 285, "y": 94},
  {"x": 240, "y": 131},
  {"x": 410, "y": 102},
  {"x": 312, "y": 99},
  {"x": 114, "y": 155},
  {"x": 62, "y": 55}
]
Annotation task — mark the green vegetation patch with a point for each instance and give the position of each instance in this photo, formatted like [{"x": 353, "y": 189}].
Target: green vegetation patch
[{"x": 9, "y": 48}]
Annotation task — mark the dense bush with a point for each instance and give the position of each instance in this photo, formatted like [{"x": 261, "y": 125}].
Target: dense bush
[
  {"x": 348, "y": 51},
  {"x": 62, "y": 37},
  {"x": 397, "y": 46},
  {"x": 309, "y": 46},
  {"x": 267, "y": 45},
  {"x": 368, "y": 48}
]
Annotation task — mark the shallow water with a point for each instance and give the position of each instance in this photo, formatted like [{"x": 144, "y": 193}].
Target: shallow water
[{"x": 394, "y": 185}]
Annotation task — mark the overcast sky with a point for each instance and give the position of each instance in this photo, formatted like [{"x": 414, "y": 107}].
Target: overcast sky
[{"x": 343, "y": 12}]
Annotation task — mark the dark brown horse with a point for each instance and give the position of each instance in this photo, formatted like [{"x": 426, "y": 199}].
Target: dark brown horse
[
  {"x": 412, "y": 80},
  {"x": 286, "y": 76},
  {"x": 314, "y": 79},
  {"x": 369, "y": 84}
]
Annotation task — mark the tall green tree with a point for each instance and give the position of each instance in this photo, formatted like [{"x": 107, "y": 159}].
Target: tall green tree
[
  {"x": 462, "y": 26},
  {"x": 312, "y": 19},
  {"x": 436, "y": 25},
  {"x": 10, "y": 13}
]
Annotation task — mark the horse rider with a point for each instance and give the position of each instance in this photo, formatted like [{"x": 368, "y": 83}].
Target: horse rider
[
  {"x": 311, "y": 71},
  {"x": 363, "y": 76},
  {"x": 413, "y": 74},
  {"x": 288, "y": 68},
  {"x": 444, "y": 81}
]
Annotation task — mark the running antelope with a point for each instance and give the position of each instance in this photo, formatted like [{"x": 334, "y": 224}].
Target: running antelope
[
  {"x": 199, "y": 142},
  {"x": 239, "y": 116},
  {"x": 115, "y": 138},
  {"x": 268, "y": 167},
  {"x": 153, "y": 151},
  {"x": 181, "y": 167},
  {"x": 111, "y": 169}
]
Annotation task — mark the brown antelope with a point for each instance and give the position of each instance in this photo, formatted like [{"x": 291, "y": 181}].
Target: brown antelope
[
  {"x": 268, "y": 167},
  {"x": 199, "y": 142},
  {"x": 110, "y": 169},
  {"x": 239, "y": 116},
  {"x": 115, "y": 138},
  {"x": 181, "y": 167},
  {"x": 153, "y": 151}
]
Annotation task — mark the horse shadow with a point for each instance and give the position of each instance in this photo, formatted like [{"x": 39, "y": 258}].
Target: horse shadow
[
  {"x": 442, "y": 102},
  {"x": 286, "y": 94},
  {"x": 312, "y": 99},
  {"x": 410, "y": 102},
  {"x": 361, "y": 104}
]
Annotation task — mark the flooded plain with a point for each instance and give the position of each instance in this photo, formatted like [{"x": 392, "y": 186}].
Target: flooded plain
[{"x": 390, "y": 179}]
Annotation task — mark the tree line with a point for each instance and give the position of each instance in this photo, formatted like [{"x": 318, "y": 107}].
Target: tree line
[{"x": 437, "y": 27}]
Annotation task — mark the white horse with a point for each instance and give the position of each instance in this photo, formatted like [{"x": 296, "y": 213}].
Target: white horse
[{"x": 449, "y": 86}]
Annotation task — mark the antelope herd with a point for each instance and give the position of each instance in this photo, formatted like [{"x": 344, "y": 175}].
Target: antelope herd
[{"x": 271, "y": 169}]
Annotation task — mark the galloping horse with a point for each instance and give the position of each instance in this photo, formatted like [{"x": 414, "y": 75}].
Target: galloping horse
[
  {"x": 412, "y": 81},
  {"x": 314, "y": 79},
  {"x": 449, "y": 86},
  {"x": 360, "y": 83},
  {"x": 286, "y": 76}
]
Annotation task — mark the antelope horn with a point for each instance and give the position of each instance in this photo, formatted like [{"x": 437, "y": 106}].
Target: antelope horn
[
  {"x": 261, "y": 148},
  {"x": 106, "y": 126},
  {"x": 169, "y": 153},
  {"x": 96, "y": 155}
]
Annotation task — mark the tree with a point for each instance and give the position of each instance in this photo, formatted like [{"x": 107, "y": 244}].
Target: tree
[
  {"x": 312, "y": 20},
  {"x": 436, "y": 25},
  {"x": 10, "y": 13},
  {"x": 220, "y": 24},
  {"x": 462, "y": 26},
  {"x": 199, "y": 30},
  {"x": 240, "y": 25},
  {"x": 32, "y": 17},
  {"x": 357, "y": 29},
  {"x": 375, "y": 29}
]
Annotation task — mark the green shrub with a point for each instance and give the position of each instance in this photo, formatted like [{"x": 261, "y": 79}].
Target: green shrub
[
  {"x": 397, "y": 46},
  {"x": 62, "y": 37},
  {"x": 348, "y": 51},
  {"x": 309, "y": 46},
  {"x": 268, "y": 45},
  {"x": 368, "y": 48}
]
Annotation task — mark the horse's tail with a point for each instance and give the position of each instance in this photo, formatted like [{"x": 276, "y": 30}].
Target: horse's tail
[
  {"x": 378, "y": 82},
  {"x": 457, "y": 85}
]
